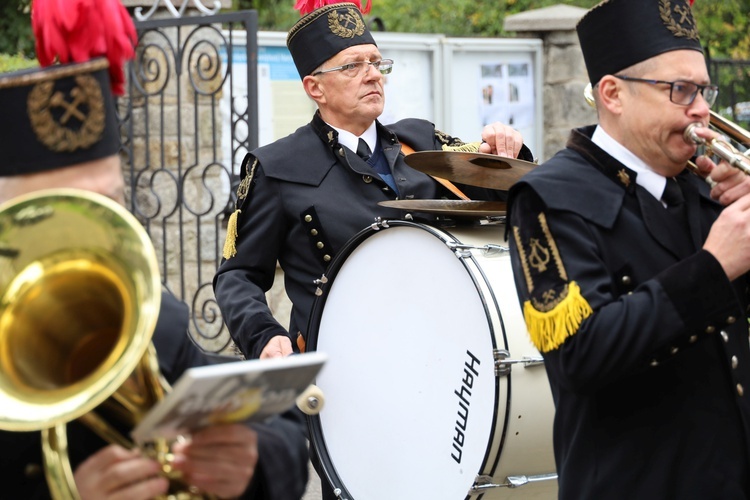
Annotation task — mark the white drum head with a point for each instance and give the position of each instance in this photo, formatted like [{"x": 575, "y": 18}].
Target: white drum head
[{"x": 412, "y": 401}]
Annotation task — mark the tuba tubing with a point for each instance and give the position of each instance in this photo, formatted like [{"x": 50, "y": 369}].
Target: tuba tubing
[{"x": 80, "y": 292}]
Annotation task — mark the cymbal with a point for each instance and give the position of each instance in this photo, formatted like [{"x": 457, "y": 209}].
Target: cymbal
[
  {"x": 456, "y": 208},
  {"x": 474, "y": 169}
]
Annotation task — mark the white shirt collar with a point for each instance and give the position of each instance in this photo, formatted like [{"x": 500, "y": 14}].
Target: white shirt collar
[
  {"x": 646, "y": 178},
  {"x": 351, "y": 141}
]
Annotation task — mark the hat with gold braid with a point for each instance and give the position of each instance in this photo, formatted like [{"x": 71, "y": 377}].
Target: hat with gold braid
[
  {"x": 616, "y": 34},
  {"x": 63, "y": 113},
  {"x": 325, "y": 31}
]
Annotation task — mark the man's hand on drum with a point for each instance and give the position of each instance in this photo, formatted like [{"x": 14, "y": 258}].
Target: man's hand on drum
[
  {"x": 502, "y": 140},
  {"x": 278, "y": 347}
]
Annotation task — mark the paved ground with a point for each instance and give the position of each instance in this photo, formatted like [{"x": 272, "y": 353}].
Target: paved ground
[{"x": 313, "y": 486}]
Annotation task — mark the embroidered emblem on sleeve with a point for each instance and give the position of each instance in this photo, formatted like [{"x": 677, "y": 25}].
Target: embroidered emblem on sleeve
[{"x": 555, "y": 308}]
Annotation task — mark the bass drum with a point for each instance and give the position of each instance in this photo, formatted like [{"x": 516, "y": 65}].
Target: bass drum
[{"x": 416, "y": 322}]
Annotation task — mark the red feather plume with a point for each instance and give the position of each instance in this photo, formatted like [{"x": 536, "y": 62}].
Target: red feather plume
[
  {"x": 80, "y": 30},
  {"x": 307, "y": 6}
]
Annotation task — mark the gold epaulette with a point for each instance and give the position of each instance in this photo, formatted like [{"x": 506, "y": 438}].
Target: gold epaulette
[
  {"x": 549, "y": 329},
  {"x": 230, "y": 243}
]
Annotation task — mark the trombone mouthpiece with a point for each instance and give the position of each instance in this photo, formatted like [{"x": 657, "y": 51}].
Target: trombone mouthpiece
[{"x": 691, "y": 137}]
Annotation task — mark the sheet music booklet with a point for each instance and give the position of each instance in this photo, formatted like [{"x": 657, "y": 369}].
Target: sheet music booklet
[{"x": 240, "y": 391}]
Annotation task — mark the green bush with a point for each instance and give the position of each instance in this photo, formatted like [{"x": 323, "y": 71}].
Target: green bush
[{"x": 14, "y": 63}]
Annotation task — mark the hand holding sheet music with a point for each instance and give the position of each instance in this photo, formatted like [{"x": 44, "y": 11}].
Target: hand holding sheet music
[{"x": 241, "y": 391}]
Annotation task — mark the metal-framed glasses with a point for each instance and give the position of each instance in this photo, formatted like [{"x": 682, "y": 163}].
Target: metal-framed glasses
[
  {"x": 681, "y": 92},
  {"x": 355, "y": 68}
]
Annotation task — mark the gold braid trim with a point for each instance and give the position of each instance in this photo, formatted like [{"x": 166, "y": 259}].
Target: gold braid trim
[
  {"x": 230, "y": 243},
  {"x": 469, "y": 147},
  {"x": 548, "y": 330}
]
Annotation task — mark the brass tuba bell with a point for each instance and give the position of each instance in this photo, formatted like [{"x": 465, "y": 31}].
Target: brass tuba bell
[{"x": 80, "y": 299}]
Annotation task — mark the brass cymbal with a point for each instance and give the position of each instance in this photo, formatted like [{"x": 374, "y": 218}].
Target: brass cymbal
[
  {"x": 456, "y": 208},
  {"x": 474, "y": 169}
]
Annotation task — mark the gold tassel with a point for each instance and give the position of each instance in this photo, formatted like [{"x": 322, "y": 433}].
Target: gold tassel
[
  {"x": 469, "y": 147},
  {"x": 230, "y": 244},
  {"x": 549, "y": 329}
]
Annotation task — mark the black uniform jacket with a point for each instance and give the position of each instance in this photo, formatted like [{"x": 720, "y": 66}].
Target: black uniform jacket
[
  {"x": 308, "y": 196},
  {"x": 282, "y": 444},
  {"x": 651, "y": 387}
]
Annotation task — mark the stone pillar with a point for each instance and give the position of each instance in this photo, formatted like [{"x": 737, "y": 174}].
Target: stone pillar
[{"x": 565, "y": 74}]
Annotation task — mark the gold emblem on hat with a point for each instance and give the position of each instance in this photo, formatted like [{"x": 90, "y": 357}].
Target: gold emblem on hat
[
  {"x": 346, "y": 25},
  {"x": 678, "y": 20},
  {"x": 83, "y": 105}
]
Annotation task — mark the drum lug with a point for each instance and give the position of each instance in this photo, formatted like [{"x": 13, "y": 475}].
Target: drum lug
[
  {"x": 482, "y": 482},
  {"x": 379, "y": 224},
  {"x": 503, "y": 364},
  {"x": 319, "y": 285}
]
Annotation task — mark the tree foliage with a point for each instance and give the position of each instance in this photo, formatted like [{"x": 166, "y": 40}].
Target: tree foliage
[
  {"x": 724, "y": 26},
  {"x": 15, "y": 28}
]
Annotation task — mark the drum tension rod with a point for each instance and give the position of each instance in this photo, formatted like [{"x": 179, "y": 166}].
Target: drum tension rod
[
  {"x": 482, "y": 483},
  {"x": 465, "y": 250},
  {"x": 503, "y": 364}
]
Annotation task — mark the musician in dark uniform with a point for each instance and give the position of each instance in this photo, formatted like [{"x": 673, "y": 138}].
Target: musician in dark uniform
[
  {"x": 303, "y": 197},
  {"x": 261, "y": 461},
  {"x": 632, "y": 273}
]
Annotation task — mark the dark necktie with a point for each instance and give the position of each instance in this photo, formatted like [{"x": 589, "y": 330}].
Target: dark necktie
[
  {"x": 363, "y": 150},
  {"x": 675, "y": 201},
  {"x": 378, "y": 163}
]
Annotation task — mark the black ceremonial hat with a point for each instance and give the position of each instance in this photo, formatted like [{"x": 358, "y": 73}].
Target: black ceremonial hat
[
  {"x": 56, "y": 117},
  {"x": 616, "y": 34},
  {"x": 325, "y": 32}
]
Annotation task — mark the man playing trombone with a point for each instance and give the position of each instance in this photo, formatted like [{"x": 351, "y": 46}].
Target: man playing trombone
[{"x": 632, "y": 273}]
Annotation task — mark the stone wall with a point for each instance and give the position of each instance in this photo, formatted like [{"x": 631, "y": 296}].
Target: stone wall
[{"x": 564, "y": 71}]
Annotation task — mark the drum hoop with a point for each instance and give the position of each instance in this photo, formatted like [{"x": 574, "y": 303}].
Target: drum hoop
[{"x": 317, "y": 440}]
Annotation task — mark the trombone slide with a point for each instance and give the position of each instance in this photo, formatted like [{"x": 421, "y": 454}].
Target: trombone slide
[{"x": 719, "y": 147}]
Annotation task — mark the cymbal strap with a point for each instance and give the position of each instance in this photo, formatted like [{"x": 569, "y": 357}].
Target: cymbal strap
[{"x": 407, "y": 150}]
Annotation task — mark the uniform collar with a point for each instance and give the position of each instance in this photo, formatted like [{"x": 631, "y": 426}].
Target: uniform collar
[
  {"x": 646, "y": 177},
  {"x": 351, "y": 141}
]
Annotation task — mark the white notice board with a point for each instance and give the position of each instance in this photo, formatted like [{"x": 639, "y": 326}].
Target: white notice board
[{"x": 489, "y": 80}]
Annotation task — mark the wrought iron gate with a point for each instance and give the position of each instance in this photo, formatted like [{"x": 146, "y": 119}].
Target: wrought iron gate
[
  {"x": 188, "y": 118},
  {"x": 733, "y": 78}
]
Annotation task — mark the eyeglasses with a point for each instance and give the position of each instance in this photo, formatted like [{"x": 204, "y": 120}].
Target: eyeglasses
[
  {"x": 355, "y": 69},
  {"x": 681, "y": 92}
]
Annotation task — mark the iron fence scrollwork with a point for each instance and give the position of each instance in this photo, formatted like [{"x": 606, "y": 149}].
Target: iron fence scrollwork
[{"x": 188, "y": 119}]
